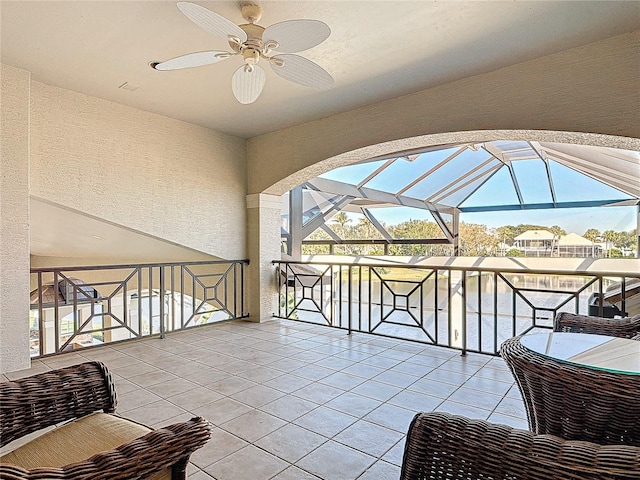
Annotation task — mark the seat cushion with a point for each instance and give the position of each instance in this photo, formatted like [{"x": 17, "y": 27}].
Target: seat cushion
[{"x": 77, "y": 441}]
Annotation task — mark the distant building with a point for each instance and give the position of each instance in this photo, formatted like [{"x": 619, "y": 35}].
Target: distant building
[
  {"x": 574, "y": 245},
  {"x": 535, "y": 243},
  {"x": 543, "y": 243}
]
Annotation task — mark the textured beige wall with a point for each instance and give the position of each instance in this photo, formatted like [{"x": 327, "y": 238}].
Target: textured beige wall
[
  {"x": 14, "y": 219},
  {"x": 593, "y": 88},
  {"x": 160, "y": 176}
]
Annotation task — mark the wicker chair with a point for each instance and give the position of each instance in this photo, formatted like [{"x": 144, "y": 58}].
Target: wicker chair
[
  {"x": 442, "y": 446},
  {"x": 575, "y": 402},
  {"x": 628, "y": 327},
  {"x": 94, "y": 445}
]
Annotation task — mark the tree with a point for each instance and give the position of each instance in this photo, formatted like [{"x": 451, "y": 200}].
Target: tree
[
  {"x": 592, "y": 234},
  {"x": 417, "y": 229},
  {"x": 341, "y": 219},
  {"x": 476, "y": 240},
  {"x": 507, "y": 233},
  {"x": 557, "y": 231}
]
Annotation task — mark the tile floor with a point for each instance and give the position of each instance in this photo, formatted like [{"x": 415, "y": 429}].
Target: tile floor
[{"x": 294, "y": 401}]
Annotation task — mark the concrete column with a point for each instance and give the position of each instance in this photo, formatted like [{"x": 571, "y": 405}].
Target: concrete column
[
  {"x": 263, "y": 230},
  {"x": 14, "y": 219},
  {"x": 295, "y": 223}
]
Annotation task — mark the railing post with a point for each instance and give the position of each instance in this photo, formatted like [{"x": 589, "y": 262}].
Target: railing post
[
  {"x": 41, "y": 324},
  {"x": 162, "y": 299},
  {"x": 349, "y": 302}
]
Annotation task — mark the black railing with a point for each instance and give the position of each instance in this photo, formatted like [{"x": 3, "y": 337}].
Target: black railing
[
  {"x": 79, "y": 307},
  {"x": 468, "y": 308}
]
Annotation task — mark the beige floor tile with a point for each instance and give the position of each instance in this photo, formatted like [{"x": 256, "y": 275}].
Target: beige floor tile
[
  {"x": 392, "y": 417},
  {"x": 221, "y": 410},
  {"x": 194, "y": 398},
  {"x": 172, "y": 387},
  {"x": 369, "y": 438},
  {"x": 153, "y": 413},
  {"x": 221, "y": 445},
  {"x": 325, "y": 421},
  {"x": 135, "y": 399},
  {"x": 291, "y": 442},
  {"x": 353, "y": 404},
  {"x": 294, "y": 473},
  {"x": 289, "y": 407},
  {"x": 253, "y": 425},
  {"x": 257, "y": 396},
  {"x": 381, "y": 471},
  {"x": 247, "y": 463},
  {"x": 333, "y": 461},
  {"x": 287, "y": 383}
]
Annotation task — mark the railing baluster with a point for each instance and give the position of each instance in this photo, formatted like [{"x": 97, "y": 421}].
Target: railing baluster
[
  {"x": 41, "y": 324},
  {"x": 56, "y": 311},
  {"x": 162, "y": 298}
]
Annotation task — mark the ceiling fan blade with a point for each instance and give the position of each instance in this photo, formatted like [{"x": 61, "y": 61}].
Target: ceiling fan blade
[
  {"x": 247, "y": 83},
  {"x": 212, "y": 22},
  {"x": 297, "y": 35},
  {"x": 300, "y": 70},
  {"x": 189, "y": 60}
]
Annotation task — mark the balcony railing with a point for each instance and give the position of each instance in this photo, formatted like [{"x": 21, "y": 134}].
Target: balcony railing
[
  {"x": 470, "y": 308},
  {"x": 79, "y": 307}
]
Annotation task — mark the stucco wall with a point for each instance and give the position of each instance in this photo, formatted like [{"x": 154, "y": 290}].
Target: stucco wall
[
  {"x": 14, "y": 219},
  {"x": 593, "y": 88},
  {"x": 150, "y": 173}
]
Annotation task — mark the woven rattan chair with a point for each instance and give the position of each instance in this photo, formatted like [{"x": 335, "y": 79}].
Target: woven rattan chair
[
  {"x": 94, "y": 444},
  {"x": 442, "y": 446},
  {"x": 574, "y": 402},
  {"x": 628, "y": 327}
]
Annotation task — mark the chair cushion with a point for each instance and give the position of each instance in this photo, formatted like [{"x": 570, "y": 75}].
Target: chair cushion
[{"x": 77, "y": 441}]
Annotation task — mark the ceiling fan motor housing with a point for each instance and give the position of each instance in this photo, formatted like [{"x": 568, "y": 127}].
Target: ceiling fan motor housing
[{"x": 254, "y": 47}]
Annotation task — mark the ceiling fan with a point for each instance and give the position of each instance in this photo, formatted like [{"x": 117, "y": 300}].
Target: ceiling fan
[{"x": 275, "y": 44}]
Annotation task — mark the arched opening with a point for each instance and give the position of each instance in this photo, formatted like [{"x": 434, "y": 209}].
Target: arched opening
[
  {"x": 453, "y": 197},
  {"x": 443, "y": 300}
]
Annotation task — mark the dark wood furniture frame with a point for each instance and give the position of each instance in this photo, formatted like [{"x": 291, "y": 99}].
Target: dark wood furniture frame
[
  {"x": 628, "y": 327},
  {"x": 32, "y": 403},
  {"x": 442, "y": 446},
  {"x": 575, "y": 402}
]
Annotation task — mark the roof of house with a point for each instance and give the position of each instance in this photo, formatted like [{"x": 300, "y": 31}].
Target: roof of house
[
  {"x": 535, "y": 235},
  {"x": 573, "y": 239}
]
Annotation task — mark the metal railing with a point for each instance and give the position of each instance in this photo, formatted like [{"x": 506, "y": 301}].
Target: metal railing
[
  {"x": 468, "y": 308},
  {"x": 79, "y": 307}
]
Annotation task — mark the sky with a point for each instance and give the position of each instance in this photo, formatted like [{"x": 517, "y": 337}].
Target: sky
[
  {"x": 573, "y": 220},
  {"x": 474, "y": 179}
]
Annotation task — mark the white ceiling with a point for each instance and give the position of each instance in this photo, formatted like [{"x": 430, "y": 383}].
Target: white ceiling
[{"x": 377, "y": 50}]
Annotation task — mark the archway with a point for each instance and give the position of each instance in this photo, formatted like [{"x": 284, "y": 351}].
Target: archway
[{"x": 264, "y": 207}]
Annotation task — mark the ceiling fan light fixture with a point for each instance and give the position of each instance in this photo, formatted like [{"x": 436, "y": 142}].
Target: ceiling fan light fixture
[
  {"x": 247, "y": 83},
  {"x": 251, "y": 56},
  {"x": 276, "y": 44}
]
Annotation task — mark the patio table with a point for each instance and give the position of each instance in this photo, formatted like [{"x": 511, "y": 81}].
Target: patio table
[{"x": 578, "y": 386}]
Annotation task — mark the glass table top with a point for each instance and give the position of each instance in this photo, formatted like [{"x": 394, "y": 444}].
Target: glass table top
[{"x": 612, "y": 354}]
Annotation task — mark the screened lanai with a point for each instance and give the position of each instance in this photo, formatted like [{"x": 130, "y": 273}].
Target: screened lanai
[{"x": 441, "y": 184}]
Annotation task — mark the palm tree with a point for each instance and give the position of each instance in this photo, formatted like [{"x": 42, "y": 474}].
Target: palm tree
[{"x": 341, "y": 219}]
